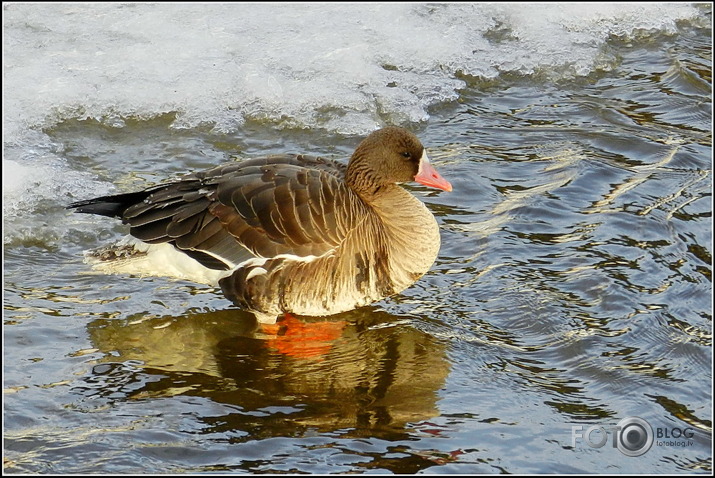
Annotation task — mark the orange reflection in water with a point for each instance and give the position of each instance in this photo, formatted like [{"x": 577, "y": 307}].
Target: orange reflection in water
[{"x": 295, "y": 338}]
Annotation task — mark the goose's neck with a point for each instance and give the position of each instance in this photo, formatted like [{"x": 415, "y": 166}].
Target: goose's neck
[{"x": 362, "y": 179}]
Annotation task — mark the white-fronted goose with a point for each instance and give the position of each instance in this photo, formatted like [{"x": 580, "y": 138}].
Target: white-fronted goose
[{"x": 295, "y": 233}]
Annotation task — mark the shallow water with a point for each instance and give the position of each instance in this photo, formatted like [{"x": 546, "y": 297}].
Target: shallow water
[{"x": 573, "y": 287}]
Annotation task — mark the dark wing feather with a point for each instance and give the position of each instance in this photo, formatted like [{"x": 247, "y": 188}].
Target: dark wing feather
[
  {"x": 273, "y": 209},
  {"x": 281, "y": 204}
]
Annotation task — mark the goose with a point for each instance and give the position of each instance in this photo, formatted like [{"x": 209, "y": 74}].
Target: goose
[{"x": 287, "y": 233}]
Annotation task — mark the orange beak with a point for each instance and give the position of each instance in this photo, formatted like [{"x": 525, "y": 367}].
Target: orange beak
[{"x": 429, "y": 176}]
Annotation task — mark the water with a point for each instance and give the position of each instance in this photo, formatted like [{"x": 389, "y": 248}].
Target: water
[{"x": 573, "y": 287}]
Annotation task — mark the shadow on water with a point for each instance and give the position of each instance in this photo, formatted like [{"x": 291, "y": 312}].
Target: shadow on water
[{"x": 354, "y": 371}]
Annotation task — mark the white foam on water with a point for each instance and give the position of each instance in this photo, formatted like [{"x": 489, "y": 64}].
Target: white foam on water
[{"x": 345, "y": 68}]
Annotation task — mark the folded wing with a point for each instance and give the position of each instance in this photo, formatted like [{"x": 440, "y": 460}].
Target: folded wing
[{"x": 263, "y": 207}]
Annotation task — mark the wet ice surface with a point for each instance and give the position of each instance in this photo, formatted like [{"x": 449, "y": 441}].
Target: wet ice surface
[{"x": 572, "y": 288}]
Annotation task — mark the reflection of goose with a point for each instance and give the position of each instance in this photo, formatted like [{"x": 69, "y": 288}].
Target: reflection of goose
[
  {"x": 371, "y": 376},
  {"x": 293, "y": 233}
]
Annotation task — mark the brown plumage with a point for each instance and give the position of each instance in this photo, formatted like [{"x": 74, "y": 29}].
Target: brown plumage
[{"x": 297, "y": 233}]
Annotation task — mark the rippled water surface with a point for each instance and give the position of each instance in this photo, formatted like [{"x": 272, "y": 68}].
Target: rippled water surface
[{"x": 572, "y": 290}]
